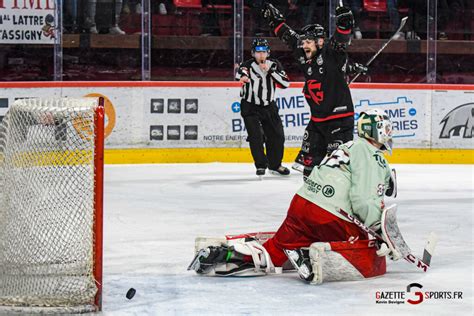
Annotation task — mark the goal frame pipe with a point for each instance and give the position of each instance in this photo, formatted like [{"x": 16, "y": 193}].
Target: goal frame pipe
[{"x": 99, "y": 199}]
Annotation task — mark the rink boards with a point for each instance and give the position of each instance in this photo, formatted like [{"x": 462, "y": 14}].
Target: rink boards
[{"x": 150, "y": 122}]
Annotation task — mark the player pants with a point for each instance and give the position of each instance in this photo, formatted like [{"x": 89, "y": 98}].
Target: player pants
[
  {"x": 321, "y": 138},
  {"x": 263, "y": 124},
  {"x": 306, "y": 223}
]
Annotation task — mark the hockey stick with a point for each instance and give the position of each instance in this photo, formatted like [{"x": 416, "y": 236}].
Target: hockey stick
[
  {"x": 422, "y": 264},
  {"x": 402, "y": 24}
]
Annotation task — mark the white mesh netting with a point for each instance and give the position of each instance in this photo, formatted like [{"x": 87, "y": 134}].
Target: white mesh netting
[{"x": 47, "y": 203}]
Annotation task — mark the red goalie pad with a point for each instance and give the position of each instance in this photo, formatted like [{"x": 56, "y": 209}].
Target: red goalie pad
[{"x": 362, "y": 255}]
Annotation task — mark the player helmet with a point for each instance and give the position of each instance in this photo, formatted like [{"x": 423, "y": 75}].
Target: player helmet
[
  {"x": 374, "y": 124},
  {"x": 260, "y": 45},
  {"x": 312, "y": 32}
]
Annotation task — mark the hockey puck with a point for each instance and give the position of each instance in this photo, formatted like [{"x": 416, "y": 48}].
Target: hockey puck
[{"x": 130, "y": 293}]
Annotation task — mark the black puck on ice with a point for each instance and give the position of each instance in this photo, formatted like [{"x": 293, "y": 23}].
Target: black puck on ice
[{"x": 130, "y": 293}]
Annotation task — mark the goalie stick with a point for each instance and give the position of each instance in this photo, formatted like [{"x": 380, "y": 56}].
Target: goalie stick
[
  {"x": 402, "y": 24},
  {"x": 401, "y": 245}
]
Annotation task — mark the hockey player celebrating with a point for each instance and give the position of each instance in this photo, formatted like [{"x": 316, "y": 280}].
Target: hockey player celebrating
[
  {"x": 325, "y": 66},
  {"x": 315, "y": 237}
]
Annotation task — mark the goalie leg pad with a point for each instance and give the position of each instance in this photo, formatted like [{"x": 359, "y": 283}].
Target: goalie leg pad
[{"x": 345, "y": 261}]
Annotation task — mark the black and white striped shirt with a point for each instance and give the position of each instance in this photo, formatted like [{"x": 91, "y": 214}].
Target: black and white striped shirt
[{"x": 261, "y": 88}]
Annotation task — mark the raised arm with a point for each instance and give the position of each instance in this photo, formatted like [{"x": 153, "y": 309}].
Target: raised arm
[
  {"x": 276, "y": 21},
  {"x": 344, "y": 23}
]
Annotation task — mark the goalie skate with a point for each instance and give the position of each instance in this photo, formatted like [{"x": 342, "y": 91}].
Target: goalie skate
[
  {"x": 195, "y": 263},
  {"x": 208, "y": 258},
  {"x": 299, "y": 258}
]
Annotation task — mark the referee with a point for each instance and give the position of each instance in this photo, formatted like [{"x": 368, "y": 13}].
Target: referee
[{"x": 259, "y": 77}]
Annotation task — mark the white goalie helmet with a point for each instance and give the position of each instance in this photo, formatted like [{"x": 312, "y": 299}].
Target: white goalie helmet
[{"x": 374, "y": 124}]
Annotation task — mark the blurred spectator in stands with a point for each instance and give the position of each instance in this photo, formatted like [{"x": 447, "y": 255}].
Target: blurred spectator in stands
[
  {"x": 70, "y": 17},
  {"x": 282, "y": 5},
  {"x": 417, "y": 19},
  {"x": 394, "y": 16},
  {"x": 210, "y": 20},
  {"x": 356, "y": 8},
  {"x": 90, "y": 15},
  {"x": 132, "y": 6},
  {"x": 461, "y": 12},
  {"x": 443, "y": 18},
  {"x": 312, "y": 11},
  {"x": 164, "y": 6},
  {"x": 259, "y": 25},
  {"x": 159, "y": 6}
]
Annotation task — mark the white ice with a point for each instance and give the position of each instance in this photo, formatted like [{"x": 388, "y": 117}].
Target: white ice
[{"x": 154, "y": 212}]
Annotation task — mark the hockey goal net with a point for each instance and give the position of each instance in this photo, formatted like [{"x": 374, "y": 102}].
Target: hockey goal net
[{"x": 51, "y": 174}]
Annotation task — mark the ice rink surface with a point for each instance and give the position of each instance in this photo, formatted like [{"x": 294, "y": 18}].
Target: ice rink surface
[{"x": 154, "y": 212}]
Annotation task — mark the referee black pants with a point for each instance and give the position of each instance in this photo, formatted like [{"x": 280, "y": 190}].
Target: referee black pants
[{"x": 263, "y": 124}]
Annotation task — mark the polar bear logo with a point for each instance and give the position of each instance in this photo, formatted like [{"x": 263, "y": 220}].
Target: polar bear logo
[{"x": 457, "y": 119}]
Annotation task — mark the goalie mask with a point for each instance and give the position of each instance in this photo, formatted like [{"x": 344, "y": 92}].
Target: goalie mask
[{"x": 375, "y": 125}]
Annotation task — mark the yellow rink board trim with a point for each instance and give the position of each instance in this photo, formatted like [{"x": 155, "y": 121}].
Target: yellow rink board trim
[
  {"x": 53, "y": 158},
  {"x": 195, "y": 155}
]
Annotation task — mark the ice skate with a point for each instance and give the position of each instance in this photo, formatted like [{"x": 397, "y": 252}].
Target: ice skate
[
  {"x": 260, "y": 172},
  {"x": 280, "y": 171},
  {"x": 299, "y": 258},
  {"x": 208, "y": 258},
  {"x": 298, "y": 167}
]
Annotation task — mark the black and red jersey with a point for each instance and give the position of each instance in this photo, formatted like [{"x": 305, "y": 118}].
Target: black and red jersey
[{"x": 326, "y": 89}]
